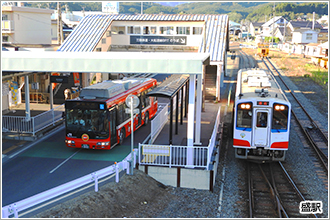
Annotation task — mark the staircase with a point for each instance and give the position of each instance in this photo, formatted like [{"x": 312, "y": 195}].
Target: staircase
[
  {"x": 59, "y": 95},
  {"x": 210, "y": 82}
]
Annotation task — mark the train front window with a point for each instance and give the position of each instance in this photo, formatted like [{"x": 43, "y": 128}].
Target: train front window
[
  {"x": 244, "y": 116},
  {"x": 280, "y": 117},
  {"x": 93, "y": 122}
]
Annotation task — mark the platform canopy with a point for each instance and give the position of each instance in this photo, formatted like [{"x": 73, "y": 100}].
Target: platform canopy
[
  {"x": 170, "y": 86},
  {"x": 105, "y": 62}
]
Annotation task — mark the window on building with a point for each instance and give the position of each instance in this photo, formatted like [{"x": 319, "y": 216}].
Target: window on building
[
  {"x": 118, "y": 30},
  {"x": 98, "y": 49},
  {"x": 5, "y": 38},
  {"x": 5, "y": 17},
  {"x": 183, "y": 30},
  {"x": 104, "y": 40},
  {"x": 166, "y": 30},
  {"x": 309, "y": 36},
  {"x": 197, "y": 30},
  {"x": 321, "y": 35},
  {"x": 149, "y": 29},
  {"x": 133, "y": 30}
]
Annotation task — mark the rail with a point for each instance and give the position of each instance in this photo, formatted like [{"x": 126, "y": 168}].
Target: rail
[
  {"x": 170, "y": 155},
  {"x": 14, "y": 208},
  {"x": 21, "y": 125}
]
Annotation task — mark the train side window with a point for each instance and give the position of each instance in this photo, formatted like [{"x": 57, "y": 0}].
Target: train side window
[{"x": 280, "y": 117}]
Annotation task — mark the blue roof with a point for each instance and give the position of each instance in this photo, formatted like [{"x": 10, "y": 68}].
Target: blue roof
[{"x": 87, "y": 34}]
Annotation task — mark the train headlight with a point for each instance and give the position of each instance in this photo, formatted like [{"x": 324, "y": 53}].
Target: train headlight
[
  {"x": 279, "y": 107},
  {"x": 245, "y": 106}
]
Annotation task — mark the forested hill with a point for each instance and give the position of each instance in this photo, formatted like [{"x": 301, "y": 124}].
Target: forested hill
[{"x": 237, "y": 11}]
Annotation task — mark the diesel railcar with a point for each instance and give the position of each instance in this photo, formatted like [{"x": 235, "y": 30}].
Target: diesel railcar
[{"x": 261, "y": 119}]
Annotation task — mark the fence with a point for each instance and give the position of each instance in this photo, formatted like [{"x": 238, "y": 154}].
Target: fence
[
  {"x": 158, "y": 123},
  {"x": 169, "y": 155},
  {"x": 15, "y": 208},
  {"x": 21, "y": 125}
]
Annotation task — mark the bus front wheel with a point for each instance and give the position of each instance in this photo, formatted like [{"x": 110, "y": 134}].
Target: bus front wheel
[{"x": 146, "y": 118}]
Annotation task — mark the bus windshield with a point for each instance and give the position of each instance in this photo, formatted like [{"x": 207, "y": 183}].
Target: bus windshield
[{"x": 93, "y": 122}]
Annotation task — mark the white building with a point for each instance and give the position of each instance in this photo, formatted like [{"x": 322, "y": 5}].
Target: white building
[
  {"x": 304, "y": 36},
  {"x": 272, "y": 24},
  {"x": 23, "y": 25}
]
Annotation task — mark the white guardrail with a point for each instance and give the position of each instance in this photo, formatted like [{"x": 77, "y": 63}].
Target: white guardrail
[
  {"x": 21, "y": 125},
  {"x": 169, "y": 155},
  {"x": 15, "y": 208}
]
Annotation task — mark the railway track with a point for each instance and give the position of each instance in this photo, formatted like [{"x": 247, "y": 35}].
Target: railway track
[
  {"x": 316, "y": 138},
  {"x": 272, "y": 192}
]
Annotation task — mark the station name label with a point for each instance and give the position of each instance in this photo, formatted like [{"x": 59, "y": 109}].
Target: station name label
[{"x": 163, "y": 40}]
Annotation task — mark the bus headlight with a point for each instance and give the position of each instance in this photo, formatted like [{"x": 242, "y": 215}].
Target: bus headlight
[
  {"x": 69, "y": 141},
  {"x": 102, "y": 143}
]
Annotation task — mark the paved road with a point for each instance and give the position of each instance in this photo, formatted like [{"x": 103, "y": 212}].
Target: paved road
[{"x": 50, "y": 163}]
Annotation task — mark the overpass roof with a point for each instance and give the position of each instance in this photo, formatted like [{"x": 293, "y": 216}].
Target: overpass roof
[
  {"x": 104, "y": 62},
  {"x": 91, "y": 29}
]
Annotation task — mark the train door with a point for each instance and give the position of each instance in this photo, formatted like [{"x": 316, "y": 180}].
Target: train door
[
  {"x": 261, "y": 128},
  {"x": 113, "y": 131}
]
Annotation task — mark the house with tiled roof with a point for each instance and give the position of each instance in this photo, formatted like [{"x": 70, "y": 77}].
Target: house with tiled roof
[
  {"x": 272, "y": 24},
  {"x": 323, "y": 36},
  {"x": 255, "y": 28}
]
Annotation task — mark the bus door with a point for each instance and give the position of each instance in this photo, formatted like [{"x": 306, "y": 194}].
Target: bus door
[
  {"x": 113, "y": 122},
  {"x": 261, "y": 128},
  {"x": 140, "y": 111}
]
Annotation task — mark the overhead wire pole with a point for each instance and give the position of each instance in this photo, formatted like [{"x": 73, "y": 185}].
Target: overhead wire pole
[
  {"x": 59, "y": 23},
  {"x": 273, "y": 26}
]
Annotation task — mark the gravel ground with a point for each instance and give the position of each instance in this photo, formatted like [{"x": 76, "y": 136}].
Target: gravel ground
[{"x": 140, "y": 196}]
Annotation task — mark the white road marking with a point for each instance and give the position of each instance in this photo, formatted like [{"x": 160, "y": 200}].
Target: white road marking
[{"x": 64, "y": 161}]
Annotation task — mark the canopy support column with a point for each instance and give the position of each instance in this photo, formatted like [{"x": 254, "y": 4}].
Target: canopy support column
[
  {"x": 198, "y": 111},
  {"x": 171, "y": 122},
  {"x": 177, "y": 113},
  {"x": 27, "y": 99},
  {"x": 191, "y": 117},
  {"x": 181, "y": 109}
]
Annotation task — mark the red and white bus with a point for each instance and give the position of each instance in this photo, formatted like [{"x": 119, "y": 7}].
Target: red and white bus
[{"x": 97, "y": 119}]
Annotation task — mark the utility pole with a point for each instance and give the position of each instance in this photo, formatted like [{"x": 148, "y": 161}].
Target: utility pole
[
  {"x": 273, "y": 26},
  {"x": 141, "y": 8},
  {"x": 59, "y": 23},
  {"x": 284, "y": 31}
]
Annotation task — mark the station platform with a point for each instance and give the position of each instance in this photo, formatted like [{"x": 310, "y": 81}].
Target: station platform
[
  {"x": 207, "y": 124},
  {"x": 35, "y": 109}
]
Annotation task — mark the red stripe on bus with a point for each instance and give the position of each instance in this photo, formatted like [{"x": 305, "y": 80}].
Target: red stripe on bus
[
  {"x": 238, "y": 142},
  {"x": 284, "y": 144}
]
